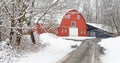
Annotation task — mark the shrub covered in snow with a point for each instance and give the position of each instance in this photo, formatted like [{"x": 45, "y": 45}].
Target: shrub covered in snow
[
  {"x": 7, "y": 53},
  {"x": 27, "y": 46}
]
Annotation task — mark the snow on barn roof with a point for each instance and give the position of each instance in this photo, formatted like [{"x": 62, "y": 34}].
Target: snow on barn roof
[
  {"x": 103, "y": 27},
  {"x": 63, "y": 12}
]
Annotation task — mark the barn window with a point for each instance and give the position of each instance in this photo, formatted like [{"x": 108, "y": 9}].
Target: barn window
[
  {"x": 73, "y": 24},
  {"x": 64, "y": 30},
  {"x": 78, "y": 17},
  {"x": 81, "y": 32}
]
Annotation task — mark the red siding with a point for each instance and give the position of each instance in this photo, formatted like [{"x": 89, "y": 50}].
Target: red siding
[
  {"x": 75, "y": 16},
  {"x": 63, "y": 31},
  {"x": 38, "y": 29}
]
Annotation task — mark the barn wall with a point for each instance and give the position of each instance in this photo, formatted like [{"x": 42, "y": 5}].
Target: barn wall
[
  {"x": 73, "y": 16},
  {"x": 63, "y": 31}
]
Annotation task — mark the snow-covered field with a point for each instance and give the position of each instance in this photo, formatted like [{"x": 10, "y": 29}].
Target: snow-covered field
[
  {"x": 55, "y": 50},
  {"x": 112, "y": 52}
]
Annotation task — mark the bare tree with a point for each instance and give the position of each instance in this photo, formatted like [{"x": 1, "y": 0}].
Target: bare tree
[
  {"x": 14, "y": 14},
  {"x": 16, "y": 11},
  {"x": 21, "y": 12}
]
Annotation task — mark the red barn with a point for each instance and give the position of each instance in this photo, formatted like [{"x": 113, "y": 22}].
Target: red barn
[
  {"x": 39, "y": 28},
  {"x": 73, "y": 24}
]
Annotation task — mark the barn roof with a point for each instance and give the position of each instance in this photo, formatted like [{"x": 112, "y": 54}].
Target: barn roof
[
  {"x": 63, "y": 12},
  {"x": 103, "y": 27}
]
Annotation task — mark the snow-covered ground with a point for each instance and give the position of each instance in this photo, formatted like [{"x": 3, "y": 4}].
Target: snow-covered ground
[
  {"x": 112, "y": 52},
  {"x": 55, "y": 50},
  {"x": 77, "y": 38},
  {"x": 7, "y": 53}
]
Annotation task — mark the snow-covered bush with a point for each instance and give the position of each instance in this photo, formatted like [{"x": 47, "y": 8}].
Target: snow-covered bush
[
  {"x": 7, "y": 53},
  {"x": 27, "y": 46}
]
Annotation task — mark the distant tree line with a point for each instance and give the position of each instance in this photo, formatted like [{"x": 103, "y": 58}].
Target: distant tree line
[{"x": 18, "y": 17}]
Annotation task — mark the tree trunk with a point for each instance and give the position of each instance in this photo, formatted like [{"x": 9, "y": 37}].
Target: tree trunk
[
  {"x": 12, "y": 24},
  {"x": 19, "y": 36},
  {"x": 11, "y": 31},
  {"x": 0, "y": 31},
  {"x": 114, "y": 23},
  {"x": 32, "y": 37},
  {"x": 30, "y": 24}
]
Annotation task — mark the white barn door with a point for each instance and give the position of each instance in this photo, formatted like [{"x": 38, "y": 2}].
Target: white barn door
[{"x": 73, "y": 32}]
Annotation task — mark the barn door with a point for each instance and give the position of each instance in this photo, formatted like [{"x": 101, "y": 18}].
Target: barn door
[{"x": 73, "y": 32}]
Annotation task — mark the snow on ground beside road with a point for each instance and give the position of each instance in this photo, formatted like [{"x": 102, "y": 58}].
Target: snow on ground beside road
[
  {"x": 112, "y": 52},
  {"x": 56, "y": 49},
  {"x": 77, "y": 38},
  {"x": 7, "y": 53}
]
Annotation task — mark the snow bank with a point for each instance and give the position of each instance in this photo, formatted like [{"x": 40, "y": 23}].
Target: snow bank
[
  {"x": 56, "y": 48},
  {"x": 112, "y": 53}
]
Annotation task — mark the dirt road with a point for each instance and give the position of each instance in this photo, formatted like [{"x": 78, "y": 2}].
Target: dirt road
[{"x": 88, "y": 52}]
